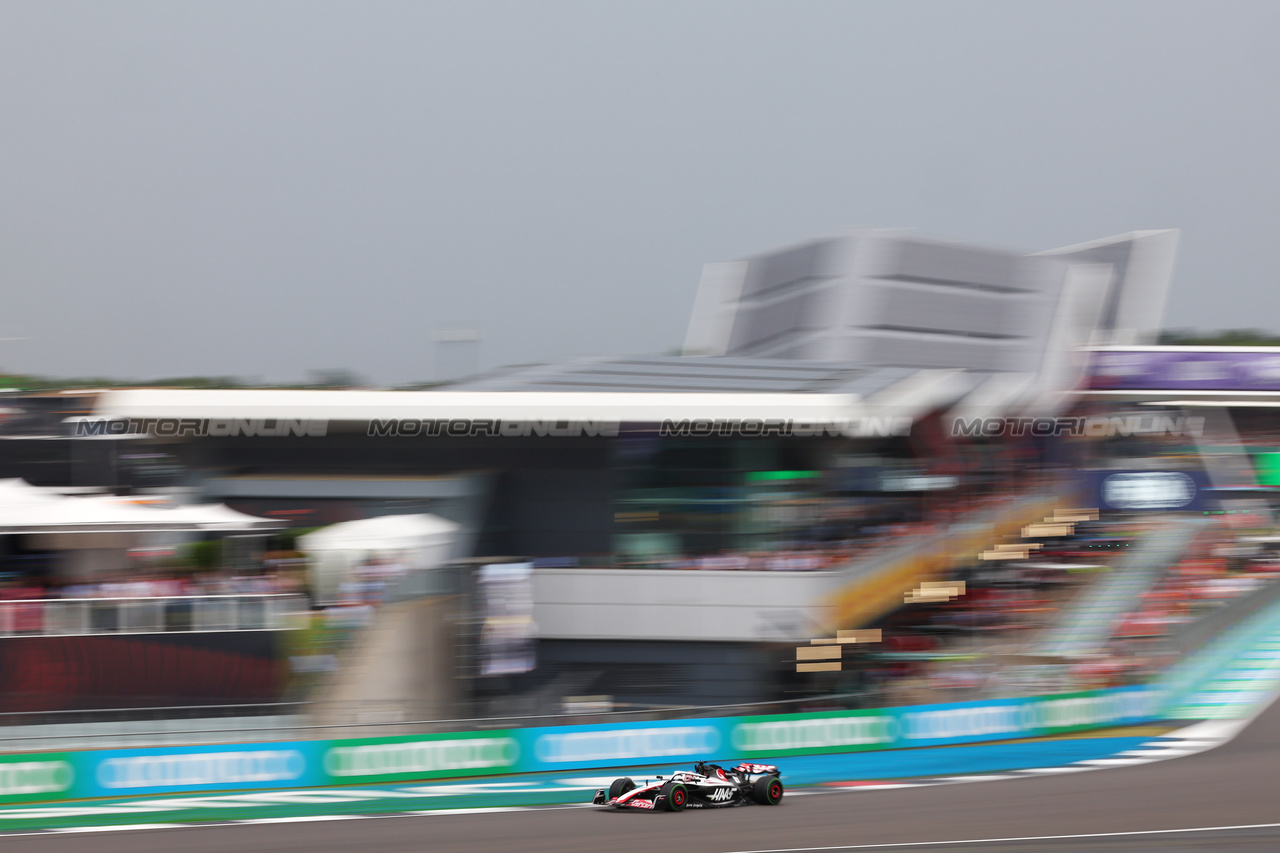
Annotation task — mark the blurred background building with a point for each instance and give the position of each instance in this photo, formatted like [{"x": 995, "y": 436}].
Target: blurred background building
[{"x": 664, "y": 544}]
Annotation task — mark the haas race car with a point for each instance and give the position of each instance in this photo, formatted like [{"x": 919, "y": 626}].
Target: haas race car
[{"x": 709, "y": 786}]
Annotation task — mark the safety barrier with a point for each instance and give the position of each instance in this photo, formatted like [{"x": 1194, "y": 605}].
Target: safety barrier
[
  {"x": 294, "y": 764},
  {"x": 66, "y": 617}
]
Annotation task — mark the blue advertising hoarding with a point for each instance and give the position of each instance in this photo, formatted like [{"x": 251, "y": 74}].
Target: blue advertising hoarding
[
  {"x": 225, "y": 767},
  {"x": 731, "y": 738},
  {"x": 304, "y": 764}
]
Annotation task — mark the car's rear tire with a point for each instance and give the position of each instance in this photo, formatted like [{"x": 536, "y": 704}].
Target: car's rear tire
[
  {"x": 767, "y": 791},
  {"x": 677, "y": 796},
  {"x": 618, "y": 787}
]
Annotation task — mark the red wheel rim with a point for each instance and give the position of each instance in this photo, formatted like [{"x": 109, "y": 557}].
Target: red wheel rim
[
  {"x": 775, "y": 791},
  {"x": 678, "y": 798}
]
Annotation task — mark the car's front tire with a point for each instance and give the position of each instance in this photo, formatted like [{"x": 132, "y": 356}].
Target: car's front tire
[
  {"x": 618, "y": 787},
  {"x": 677, "y": 796},
  {"x": 767, "y": 791}
]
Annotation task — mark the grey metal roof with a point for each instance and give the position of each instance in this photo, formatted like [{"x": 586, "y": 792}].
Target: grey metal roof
[{"x": 690, "y": 373}]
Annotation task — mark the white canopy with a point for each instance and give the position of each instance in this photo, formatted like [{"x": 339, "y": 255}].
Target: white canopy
[
  {"x": 416, "y": 542},
  {"x": 384, "y": 533},
  {"x": 25, "y": 508}
]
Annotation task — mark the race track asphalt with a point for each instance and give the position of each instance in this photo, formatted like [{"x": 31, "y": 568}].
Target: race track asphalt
[{"x": 1237, "y": 784}]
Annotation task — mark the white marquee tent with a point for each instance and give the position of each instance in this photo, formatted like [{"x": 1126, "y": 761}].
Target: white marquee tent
[
  {"x": 92, "y": 535},
  {"x": 414, "y": 542},
  {"x": 25, "y": 508}
]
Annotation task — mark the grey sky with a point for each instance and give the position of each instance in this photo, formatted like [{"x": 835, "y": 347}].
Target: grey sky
[{"x": 261, "y": 189}]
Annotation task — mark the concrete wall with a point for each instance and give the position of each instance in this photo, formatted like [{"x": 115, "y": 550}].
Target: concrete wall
[{"x": 669, "y": 604}]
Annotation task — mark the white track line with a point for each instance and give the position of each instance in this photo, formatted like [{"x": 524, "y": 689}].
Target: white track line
[
  {"x": 1011, "y": 839},
  {"x": 134, "y": 827}
]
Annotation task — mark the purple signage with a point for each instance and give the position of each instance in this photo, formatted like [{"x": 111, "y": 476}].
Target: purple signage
[{"x": 1164, "y": 370}]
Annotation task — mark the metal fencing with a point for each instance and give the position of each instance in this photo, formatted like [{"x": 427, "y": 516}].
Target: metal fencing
[{"x": 66, "y": 617}]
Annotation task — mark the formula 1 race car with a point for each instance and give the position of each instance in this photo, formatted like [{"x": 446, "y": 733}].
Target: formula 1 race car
[{"x": 709, "y": 786}]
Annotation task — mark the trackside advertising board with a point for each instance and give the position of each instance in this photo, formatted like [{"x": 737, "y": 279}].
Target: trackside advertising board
[
  {"x": 937, "y": 725},
  {"x": 301, "y": 764},
  {"x": 398, "y": 759},
  {"x": 167, "y": 770},
  {"x": 36, "y": 777},
  {"x": 257, "y": 766},
  {"x": 569, "y": 747}
]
